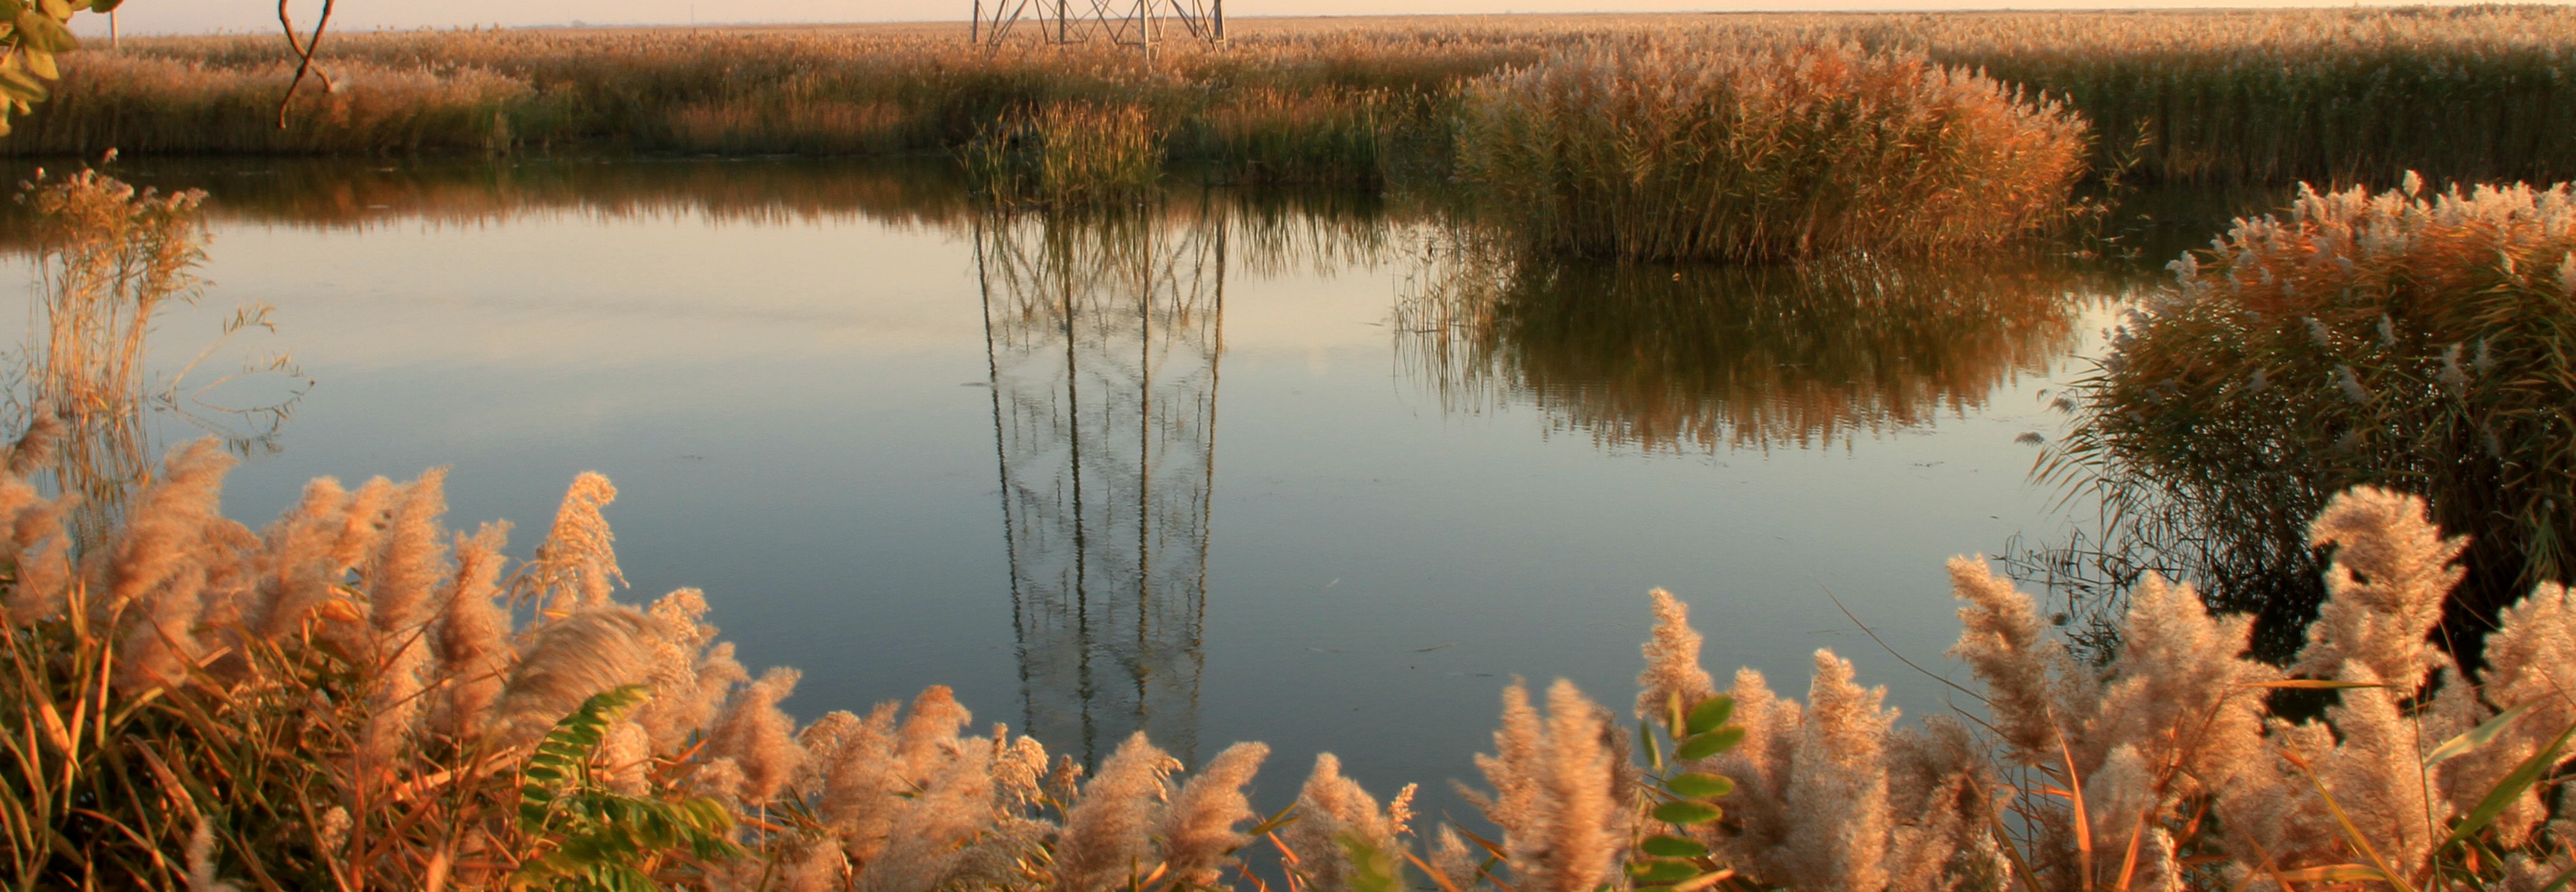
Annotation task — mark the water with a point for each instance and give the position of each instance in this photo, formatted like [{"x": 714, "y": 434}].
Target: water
[{"x": 1301, "y": 469}]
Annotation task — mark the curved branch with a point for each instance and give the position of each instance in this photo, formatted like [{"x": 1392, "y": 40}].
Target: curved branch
[{"x": 304, "y": 51}]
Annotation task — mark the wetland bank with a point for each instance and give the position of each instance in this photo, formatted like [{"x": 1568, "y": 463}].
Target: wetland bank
[{"x": 1268, "y": 426}]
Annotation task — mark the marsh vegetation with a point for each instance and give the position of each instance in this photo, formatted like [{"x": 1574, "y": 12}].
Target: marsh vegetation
[
  {"x": 1913, "y": 222},
  {"x": 2234, "y": 97}
]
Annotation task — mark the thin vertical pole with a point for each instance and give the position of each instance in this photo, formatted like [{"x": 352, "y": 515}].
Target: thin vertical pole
[
  {"x": 974, "y": 29},
  {"x": 111, "y": 29},
  {"x": 1220, "y": 21}
]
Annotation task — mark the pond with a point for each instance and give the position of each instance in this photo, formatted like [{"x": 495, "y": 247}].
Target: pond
[{"x": 1304, "y": 467}]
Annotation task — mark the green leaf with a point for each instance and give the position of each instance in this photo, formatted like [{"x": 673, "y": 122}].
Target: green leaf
[
  {"x": 105, "y": 5},
  {"x": 19, "y": 86},
  {"x": 41, "y": 64},
  {"x": 1654, "y": 751},
  {"x": 1700, "y": 786},
  {"x": 567, "y": 749},
  {"x": 2510, "y": 788},
  {"x": 1701, "y": 746},
  {"x": 2476, "y": 737},
  {"x": 1710, "y": 714},
  {"x": 1686, "y": 812},
  {"x": 1665, "y": 845},
  {"x": 58, "y": 10},
  {"x": 1372, "y": 868},
  {"x": 9, "y": 9},
  {"x": 1659, "y": 872},
  {"x": 39, "y": 31}
]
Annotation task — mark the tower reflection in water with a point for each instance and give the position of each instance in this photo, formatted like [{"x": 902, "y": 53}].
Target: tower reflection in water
[{"x": 1104, "y": 335}]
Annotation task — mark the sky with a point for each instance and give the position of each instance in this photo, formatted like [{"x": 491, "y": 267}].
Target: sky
[{"x": 204, "y": 16}]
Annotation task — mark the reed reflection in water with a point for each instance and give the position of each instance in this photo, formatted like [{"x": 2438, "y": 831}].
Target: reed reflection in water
[
  {"x": 1104, "y": 336},
  {"x": 1708, "y": 357}
]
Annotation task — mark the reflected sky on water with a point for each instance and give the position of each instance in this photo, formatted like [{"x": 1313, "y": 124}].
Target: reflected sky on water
[{"x": 1311, "y": 469}]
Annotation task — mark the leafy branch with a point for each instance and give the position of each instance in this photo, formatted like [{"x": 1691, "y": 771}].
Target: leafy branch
[{"x": 32, "y": 35}]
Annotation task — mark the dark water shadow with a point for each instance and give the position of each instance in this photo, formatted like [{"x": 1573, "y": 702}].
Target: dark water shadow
[{"x": 1709, "y": 358}]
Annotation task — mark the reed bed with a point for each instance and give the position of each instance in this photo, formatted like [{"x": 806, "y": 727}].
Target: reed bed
[
  {"x": 2260, "y": 96},
  {"x": 149, "y": 104},
  {"x": 1664, "y": 152},
  {"x": 2411, "y": 335}
]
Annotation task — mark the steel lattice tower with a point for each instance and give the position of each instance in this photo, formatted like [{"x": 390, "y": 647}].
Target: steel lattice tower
[{"x": 1137, "y": 23}]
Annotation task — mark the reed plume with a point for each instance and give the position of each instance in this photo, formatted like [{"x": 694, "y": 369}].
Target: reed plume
[
  {"x": 154, "y": 571},
  {"x": 577, "y": 565},
  {"x": 1198, "y": 832},
  {"x": 932, "y": 830},
  {"x": 1567, "y": 834},
  {"x": 1673, "y": 674},
  {"x": 473, "y": 633},
  {"x": 1334, "y": 813},
  {"x": 1105, "y": 843},
  {"x": 758, "y": 737},
  {"x": 570, "y": 659},
  {"x": 1838, "y": 795}
]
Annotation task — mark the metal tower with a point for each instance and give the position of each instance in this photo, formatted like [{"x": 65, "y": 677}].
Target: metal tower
[
  {"x": 1137, "y": 23},
  {"x": 1104, "y": 337}
]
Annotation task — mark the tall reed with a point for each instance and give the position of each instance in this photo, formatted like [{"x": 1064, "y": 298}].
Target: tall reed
[
  {"x": 1672, "y": 152},
  {"x": 107, "y": 259},
  {"x": 1067, "y": 155}
]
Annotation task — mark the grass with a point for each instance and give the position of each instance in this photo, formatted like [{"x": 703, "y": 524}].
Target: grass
[{"x": 2262, "y": 97}]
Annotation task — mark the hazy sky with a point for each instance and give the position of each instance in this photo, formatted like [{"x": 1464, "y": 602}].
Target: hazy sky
[{"x": 198, "y": 16}]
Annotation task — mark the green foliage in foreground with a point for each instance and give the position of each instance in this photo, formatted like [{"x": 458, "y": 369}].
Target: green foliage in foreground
[
  {"x": 594, "y": 837},
  {"x": 32, "y": 34}
]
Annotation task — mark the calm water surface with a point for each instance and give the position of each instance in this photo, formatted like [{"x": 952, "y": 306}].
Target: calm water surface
[{"x": 1303, "y": 469}]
